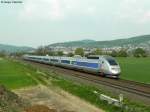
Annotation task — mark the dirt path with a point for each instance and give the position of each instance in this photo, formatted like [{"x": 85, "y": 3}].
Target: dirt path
[{"x": 55, "y": 98}]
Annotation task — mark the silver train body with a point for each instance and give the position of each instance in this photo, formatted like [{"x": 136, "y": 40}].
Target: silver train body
[{"x": 102, "y": 65}]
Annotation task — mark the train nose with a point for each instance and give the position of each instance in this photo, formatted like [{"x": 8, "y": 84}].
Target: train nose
[{"x": 115, "y": 70}]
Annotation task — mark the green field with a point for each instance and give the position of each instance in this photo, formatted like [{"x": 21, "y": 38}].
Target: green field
[
  {"x": 15, "y": 75},
  {"x": 137, "y": 69}
]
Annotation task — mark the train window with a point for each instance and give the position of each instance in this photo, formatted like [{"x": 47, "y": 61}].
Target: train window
[
  {"x": 65, "y": 61},
  {"x": 54, "y": 60},
  {"x": 45, "y": 59},
  {"x": 92, "y": 57},
  {"x": 73, "y": 62},
  {"x": 112, "y": 62}
]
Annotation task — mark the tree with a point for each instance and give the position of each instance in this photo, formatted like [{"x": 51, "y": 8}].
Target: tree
[
  {"x": 39, "y": 50},
  {"x": 2, "y": 53},
  {"x": 70, "y": 54},
  {"x": 139, "y": 52},
  {"x": 60, "y": 53},
  {"x": 122, "y": 53},
  {"x": 97, "y": 52},
  {"x": 51, "y": 53},
  {"x": 17, "y": 54},
  {"x": 79, "y": 51},
  {"x": 114, "y": 53},
  {"x": 42, "y": 50}
]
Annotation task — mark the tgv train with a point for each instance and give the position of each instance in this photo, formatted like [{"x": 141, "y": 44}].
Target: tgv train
[{"x": 102, "y": 65}]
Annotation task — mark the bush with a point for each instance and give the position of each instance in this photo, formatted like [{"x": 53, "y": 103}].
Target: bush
[
  {"x": 60, "y": 53},
  {"x": 114, "y": 53},
  {"x": 70, "y": 54},
  {"x": 122, "y": 53},
  {"x": 139, "y": 52},
  {"x": 97, "y": 52},
  {"x": 2, "y": 53},
  {"x": 79, "y": 51}
]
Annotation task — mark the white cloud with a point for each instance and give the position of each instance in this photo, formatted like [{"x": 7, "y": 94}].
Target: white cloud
[
  {"x": 146, "y": 17},
  {"x": 55, "y": 9},
  {"x": 134, "y": 11},
  {"x": 42, "y": 9}
]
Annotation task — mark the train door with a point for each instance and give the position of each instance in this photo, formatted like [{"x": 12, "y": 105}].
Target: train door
[{"x": 104, "y": 67}]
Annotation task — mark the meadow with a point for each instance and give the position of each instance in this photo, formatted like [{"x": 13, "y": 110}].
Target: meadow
[
  {"x": 15, "y": 75},
  {"x": 136, "y": 69}
]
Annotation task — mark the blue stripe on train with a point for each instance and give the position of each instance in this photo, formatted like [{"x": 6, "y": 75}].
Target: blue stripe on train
[
  {"x": 87, "y": 64},
  {"x": 83, "y": 64}
]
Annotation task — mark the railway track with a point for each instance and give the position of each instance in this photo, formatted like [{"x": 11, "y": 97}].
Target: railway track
[
  {"x": 129, "y": 86},
  {"x": 135, "y": 88}
]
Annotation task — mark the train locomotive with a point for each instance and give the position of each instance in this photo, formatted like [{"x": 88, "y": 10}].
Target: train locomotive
[{"x": 103, "y": 65}]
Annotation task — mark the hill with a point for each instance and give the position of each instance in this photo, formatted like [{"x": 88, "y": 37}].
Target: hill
[
  {"x": 138, "y": 41},
  {"x": 12, "y": 49},
  {"x": 81, "y": 43}
]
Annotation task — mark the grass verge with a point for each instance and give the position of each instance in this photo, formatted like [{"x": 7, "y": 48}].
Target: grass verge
[
  {"x": 87, "y": 93},
  {"x": 15, "y": 75}
]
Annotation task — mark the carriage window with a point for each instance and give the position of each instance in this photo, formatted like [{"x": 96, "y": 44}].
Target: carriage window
[
  {"x": 54, "y": 60},
  {"x": 65, "y": 61},
  {"x": 112, "y": 62},
  {"x": 45, "y": 59},
  {"x": 92, "y": 57}
]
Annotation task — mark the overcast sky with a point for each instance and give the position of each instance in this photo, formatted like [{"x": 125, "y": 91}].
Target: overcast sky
[{"x": 42, "y": 22}]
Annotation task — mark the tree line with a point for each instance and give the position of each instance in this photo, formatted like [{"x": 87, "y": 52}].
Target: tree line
[{"x": 138, "y": 52}]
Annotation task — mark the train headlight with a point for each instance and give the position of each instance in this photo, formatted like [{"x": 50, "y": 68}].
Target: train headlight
[{"x": 113, "y": 68}]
